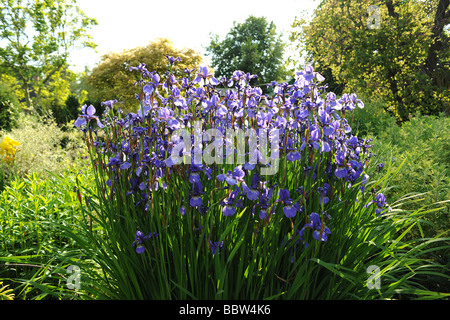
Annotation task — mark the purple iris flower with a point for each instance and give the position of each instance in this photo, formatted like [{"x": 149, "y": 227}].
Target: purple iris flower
[
  {"x": 142, "y": 68},
  {"x": 172, "y": 60},
  {"x": 324, "y": 116},
  {"x": 264, "y": 199},
  {"x": 252, "y": 193},
  {"x": 109, "y": 104},
  {"x": 354, "y": 101},
  {"x": 231, "y": 202},
  {"x": 320, "y": 232},
  {"x": 165, "y": 114},
  {"x": 381, "y": 203},
  {"x": 323, "y": 192},
  {"x": 195, "y": 169},
  {"x": 204, "y": 74},
  {"x": 214, "y": 246},
  {"x": 139, "y": 240},
  {"x": 308, "y": 73},
  {"x": 290, "y": 209},
  {"x": 196, "y": 199},
  {"x": 150, "y": 87},
  {"x": 292, "y": 154},
  {"x": 340, "y": 171},
  {"x": 353, "y": 142},
  {"x": 115, "y": 161},
  {"x": 88, "y": 114},
  {"x": 234, "y": 177},
  {"x": 332, "y": 103}
]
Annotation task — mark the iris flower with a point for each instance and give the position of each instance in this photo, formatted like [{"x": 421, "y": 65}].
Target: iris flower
[
  {"x": 151, "y": 86},
  {"x": 264, "y": 201},
  {"x": 323, "y": 192},
  {"x": 204, "y": 74},
  {"x": 88, "y": 114},
  {"x": 381, "y": 203},
  {"x": 214, "y": 246},
  {"x": 320, "y": 231},
  {"x": 231, "y": 202},
  {"x": 290, "y": 209},
  {"x": 172, "y": 60},
  {"x": 292, "y": 153},
  {"x": 196, "y": 199},
  {"x": 109, "y": 104},
  {"x": 252, "y": 193},
  {"x": 232, "y": 177},
  {"x": 139, "y": 240},
  {"x": 341, "y": 170}
]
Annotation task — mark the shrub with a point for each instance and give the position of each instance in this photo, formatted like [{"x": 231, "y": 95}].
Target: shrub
[
  {"x": 73, "y": 107},
  {"x": 420, "y": 150},
  {"x": 302, "y": 223},
  {"x": 9, "y": 107},
  {"x": 40, "y": 149},
  {"x": 63, "y": 114}
]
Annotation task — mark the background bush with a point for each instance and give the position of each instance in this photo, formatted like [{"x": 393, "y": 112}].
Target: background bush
[
  {"x": 9, "y": 107},
  {"x": 44, "y": 146},
  {"x": 66, "y": 112},
  {"x": 419, "y": 151}
]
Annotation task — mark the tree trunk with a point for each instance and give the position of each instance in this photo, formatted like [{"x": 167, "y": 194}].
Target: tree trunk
[
  {"x": 28, "y": 95},
  {"x": 441, "y": 19}
]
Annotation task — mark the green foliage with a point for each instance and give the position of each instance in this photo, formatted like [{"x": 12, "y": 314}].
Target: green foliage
[
  {"x": 420, "y": 151},
  {"x": 73, "y": 107},
  {"x": 391, "y": 62},
  {"x": 5, "y": 293},
  {"x": 252, "y": 46},
  {"x": 38, "y": 36},
  {"x": 9, "y": 107},
  {"x": 177, "y": 265},
  {"x": 34, "y": 256},
  {"x": 67, "y": 112},
  {"x": 111, "y": 78}
]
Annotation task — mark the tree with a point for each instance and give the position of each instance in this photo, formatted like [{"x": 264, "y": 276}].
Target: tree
[
  {"x": 401, "y": 58},
  {"x": 253, "y": 47},
  {"x": 38, "y": 36},
  {"x": 112, "y": 79}
]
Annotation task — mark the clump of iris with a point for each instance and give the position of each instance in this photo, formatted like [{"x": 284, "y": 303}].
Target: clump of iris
[{"x": 309, "y": 121}]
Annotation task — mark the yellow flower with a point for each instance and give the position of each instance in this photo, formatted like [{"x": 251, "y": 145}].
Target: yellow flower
[{"x": 8, "y": 148}]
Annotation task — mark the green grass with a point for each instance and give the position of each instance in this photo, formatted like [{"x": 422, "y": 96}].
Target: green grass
[{"x": 34, "y": 255}]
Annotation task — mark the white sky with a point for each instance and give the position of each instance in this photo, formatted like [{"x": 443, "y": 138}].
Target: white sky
[{"x": 126, "y": 24}]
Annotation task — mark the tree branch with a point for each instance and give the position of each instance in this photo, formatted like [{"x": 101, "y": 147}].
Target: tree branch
[
  {"x": 391, "y": 10},
  {"x": 441, "y": 18}
]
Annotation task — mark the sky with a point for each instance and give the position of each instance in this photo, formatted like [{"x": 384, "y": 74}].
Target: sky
[{"x": 188, "y": 24}]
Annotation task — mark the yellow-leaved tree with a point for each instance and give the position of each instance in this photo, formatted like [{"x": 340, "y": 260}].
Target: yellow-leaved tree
[{"x": 112, "y": 79}]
